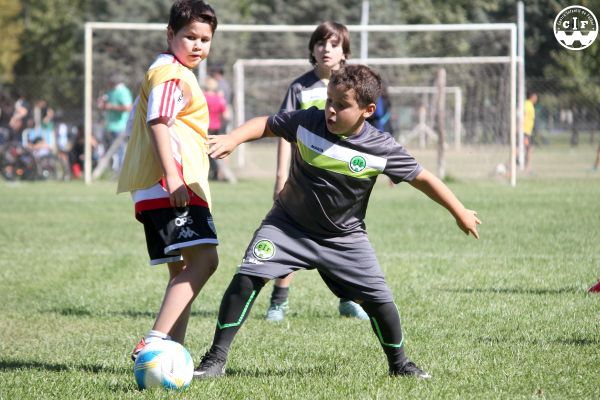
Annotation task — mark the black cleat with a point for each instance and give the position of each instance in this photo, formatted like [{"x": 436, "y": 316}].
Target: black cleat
[
  {"x": 410, "y": 369},
  {"x": 210, "y": 367}
]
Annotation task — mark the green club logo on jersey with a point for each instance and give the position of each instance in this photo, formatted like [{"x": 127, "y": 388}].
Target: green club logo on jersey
[
  {"x": 264, "y": 249},
  {"x": 357, "y": 164}
]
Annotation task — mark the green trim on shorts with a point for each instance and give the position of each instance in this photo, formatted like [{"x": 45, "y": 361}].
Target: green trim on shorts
[
  {"x": 244, "y": 311},
  {"x": 380, "y": 336}
]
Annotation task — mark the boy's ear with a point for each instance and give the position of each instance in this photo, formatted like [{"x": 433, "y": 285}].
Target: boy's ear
[
  {"x": 369, "y": 110},
  {"x": 170, "y": 34}
]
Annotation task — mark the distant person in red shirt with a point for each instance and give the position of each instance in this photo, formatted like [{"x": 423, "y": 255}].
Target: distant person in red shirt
[{"x": 218, "y": 114}]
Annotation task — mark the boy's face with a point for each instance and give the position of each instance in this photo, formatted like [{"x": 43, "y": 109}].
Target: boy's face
[
  {"x": 329, "y": 53},
  {"x": 343, "y": 115},
  {"x": 191, "y": 44}
]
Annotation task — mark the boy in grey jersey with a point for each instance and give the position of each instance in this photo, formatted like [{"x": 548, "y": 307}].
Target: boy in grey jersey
[
  {"x": 329, "y": 48},
  {"x": 321, "y": 211}
]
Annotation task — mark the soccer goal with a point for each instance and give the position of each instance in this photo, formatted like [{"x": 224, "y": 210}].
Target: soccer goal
[{"x": 480, "y": 93}]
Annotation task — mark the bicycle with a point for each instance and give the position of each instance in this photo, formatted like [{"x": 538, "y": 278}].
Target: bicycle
[{"x": 19, "y": 163}]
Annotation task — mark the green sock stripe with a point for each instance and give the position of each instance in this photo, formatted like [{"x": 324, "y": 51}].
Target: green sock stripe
[
  {"x": 239, "y": 321},
  {"x": 380, "y": 336}
]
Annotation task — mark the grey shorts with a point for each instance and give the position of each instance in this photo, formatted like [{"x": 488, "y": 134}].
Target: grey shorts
[{"x": 347, "y": 264}]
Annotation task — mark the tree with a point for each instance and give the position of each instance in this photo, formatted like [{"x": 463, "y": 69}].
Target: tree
[{"x": 11, "y": 27}]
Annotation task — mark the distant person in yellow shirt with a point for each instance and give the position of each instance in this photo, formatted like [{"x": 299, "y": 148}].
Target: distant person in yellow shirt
[{"x": 528, "y": 125}]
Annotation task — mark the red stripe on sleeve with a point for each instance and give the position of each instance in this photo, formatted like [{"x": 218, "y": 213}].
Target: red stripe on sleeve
[
  {"x": 162, "y": 99},
  {"x": 169, "y": 100}
]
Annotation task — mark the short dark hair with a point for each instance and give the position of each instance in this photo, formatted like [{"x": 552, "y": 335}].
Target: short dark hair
[
  {"x": 365, "y": 82},
  {"x": 183, "y": 12},
  {"x": 325, "y": 31}
]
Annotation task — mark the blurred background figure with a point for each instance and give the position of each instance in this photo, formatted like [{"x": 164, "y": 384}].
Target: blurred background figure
[
  {"x": 219, "y": 116},
  {"x": 528, "y": 125},
  {"x": 117, "y": 104}
]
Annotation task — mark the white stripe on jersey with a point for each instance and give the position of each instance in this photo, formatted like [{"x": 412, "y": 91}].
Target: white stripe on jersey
[
  {"x": 165, "y": 100},
  {"x": 310, "y": 95},
  {"x": 321, "y": 145}
]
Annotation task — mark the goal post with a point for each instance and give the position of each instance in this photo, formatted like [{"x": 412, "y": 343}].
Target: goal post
[
  {"x": 230, "y": 36},
  {"x": 252, "y": 97}
]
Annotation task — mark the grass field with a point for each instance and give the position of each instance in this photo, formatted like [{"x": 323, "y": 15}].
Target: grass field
[{"x": 504, "y": 317}]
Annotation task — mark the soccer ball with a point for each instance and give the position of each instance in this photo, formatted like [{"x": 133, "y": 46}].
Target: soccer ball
[{"x": 164, "y": 363}]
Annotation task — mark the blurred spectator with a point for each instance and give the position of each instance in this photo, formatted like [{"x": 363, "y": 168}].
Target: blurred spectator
[
  {"x": 6, "y": 111},
  {"x": 39, "y": 141},
  {"x": 528, "y": 125},
  {"x": 217, "y": 73},
  {"x": 219, "y": 114},
  {"x": 20, "y": 112},
  {"x": 382, "y": 117},
  {"x": 117, "y": 103},
  {"x": 77, "y": 152},
  {"x": 43, "y": 117}
]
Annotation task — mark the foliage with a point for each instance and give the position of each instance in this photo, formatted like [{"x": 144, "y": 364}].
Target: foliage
[
  {"x": 50, "y": 65},
  {"x": 51, "y": 44},
  {"x": 10, "y": 30}
]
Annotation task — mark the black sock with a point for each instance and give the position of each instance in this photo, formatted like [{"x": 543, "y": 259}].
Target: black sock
[
  {"x": 385, "y": 322},
  {"x": 235, "y": 308},
  {"x": 279, "y": 294}
]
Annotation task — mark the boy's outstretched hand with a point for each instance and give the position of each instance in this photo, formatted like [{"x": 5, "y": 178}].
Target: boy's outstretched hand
[
  {"x": 221, "y": 145},
  {"x": 467, "y": 221}
]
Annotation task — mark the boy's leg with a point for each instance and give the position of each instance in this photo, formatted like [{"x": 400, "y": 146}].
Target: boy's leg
[
  {"x": 234, "y": 310},
  {"x": 279, "y": 299},
  {"x": 178, "y": 332},
  {"x": 385, "y": 322},
  {"x": 200, "y": 263}
]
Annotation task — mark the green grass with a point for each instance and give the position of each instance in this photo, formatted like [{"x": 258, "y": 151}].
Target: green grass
[{"x": 506, "y": 317}]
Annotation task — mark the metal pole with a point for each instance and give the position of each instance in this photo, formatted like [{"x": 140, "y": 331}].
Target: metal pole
[
  {"x": 513, "y": 106},
  {"x": 457, "y": 117},
  {"x": 240, "y": 111},
  {"x": 87, "y": 104},
  {"x": 521, "y": 81},
  {"x": 364, "y": 34}
]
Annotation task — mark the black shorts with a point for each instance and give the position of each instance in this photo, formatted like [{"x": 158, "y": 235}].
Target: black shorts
[{"x": 168, "y": 230}]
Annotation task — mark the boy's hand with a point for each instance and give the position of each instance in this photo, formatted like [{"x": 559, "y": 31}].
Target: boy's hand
[
  {"x": 467, "y": 221},
  {"x": 221, "y": 145},
  {"x": 178, "y": 194}
]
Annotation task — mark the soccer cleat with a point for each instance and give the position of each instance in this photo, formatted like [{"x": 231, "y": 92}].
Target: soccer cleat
[
  {"x": 410, "y": 369},
  {"x": 351, "y": 309},
  {"x": 276, "y": 312},
  {"x": 210, "y": 366},
  {"x": 138, "y": 347}
]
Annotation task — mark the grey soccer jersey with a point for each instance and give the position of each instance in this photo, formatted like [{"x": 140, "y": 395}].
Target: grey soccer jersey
[
  {"x": 305, "y": 92},
  {"x": 331, "y": 177}
]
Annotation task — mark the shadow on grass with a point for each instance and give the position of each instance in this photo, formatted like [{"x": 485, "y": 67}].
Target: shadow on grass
[
  {"x": 540, "y": 291},
  {"x": 578, "y": 342},
  {"x": 57, "y": 367},
  {"x": 84, "y": 312},
  {"x": 288, "y": 372}
]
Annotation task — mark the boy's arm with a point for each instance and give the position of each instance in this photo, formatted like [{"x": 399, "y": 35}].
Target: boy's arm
[
  {"x": 429, "y": 184},
  {"x": 161, "y": 140},
  {"x": 222, "y": 145},
  {"x": 284, "y": 154}
]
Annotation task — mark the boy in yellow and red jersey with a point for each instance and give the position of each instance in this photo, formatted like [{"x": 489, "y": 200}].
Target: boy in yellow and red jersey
[{"x": 166, "y": 168}]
